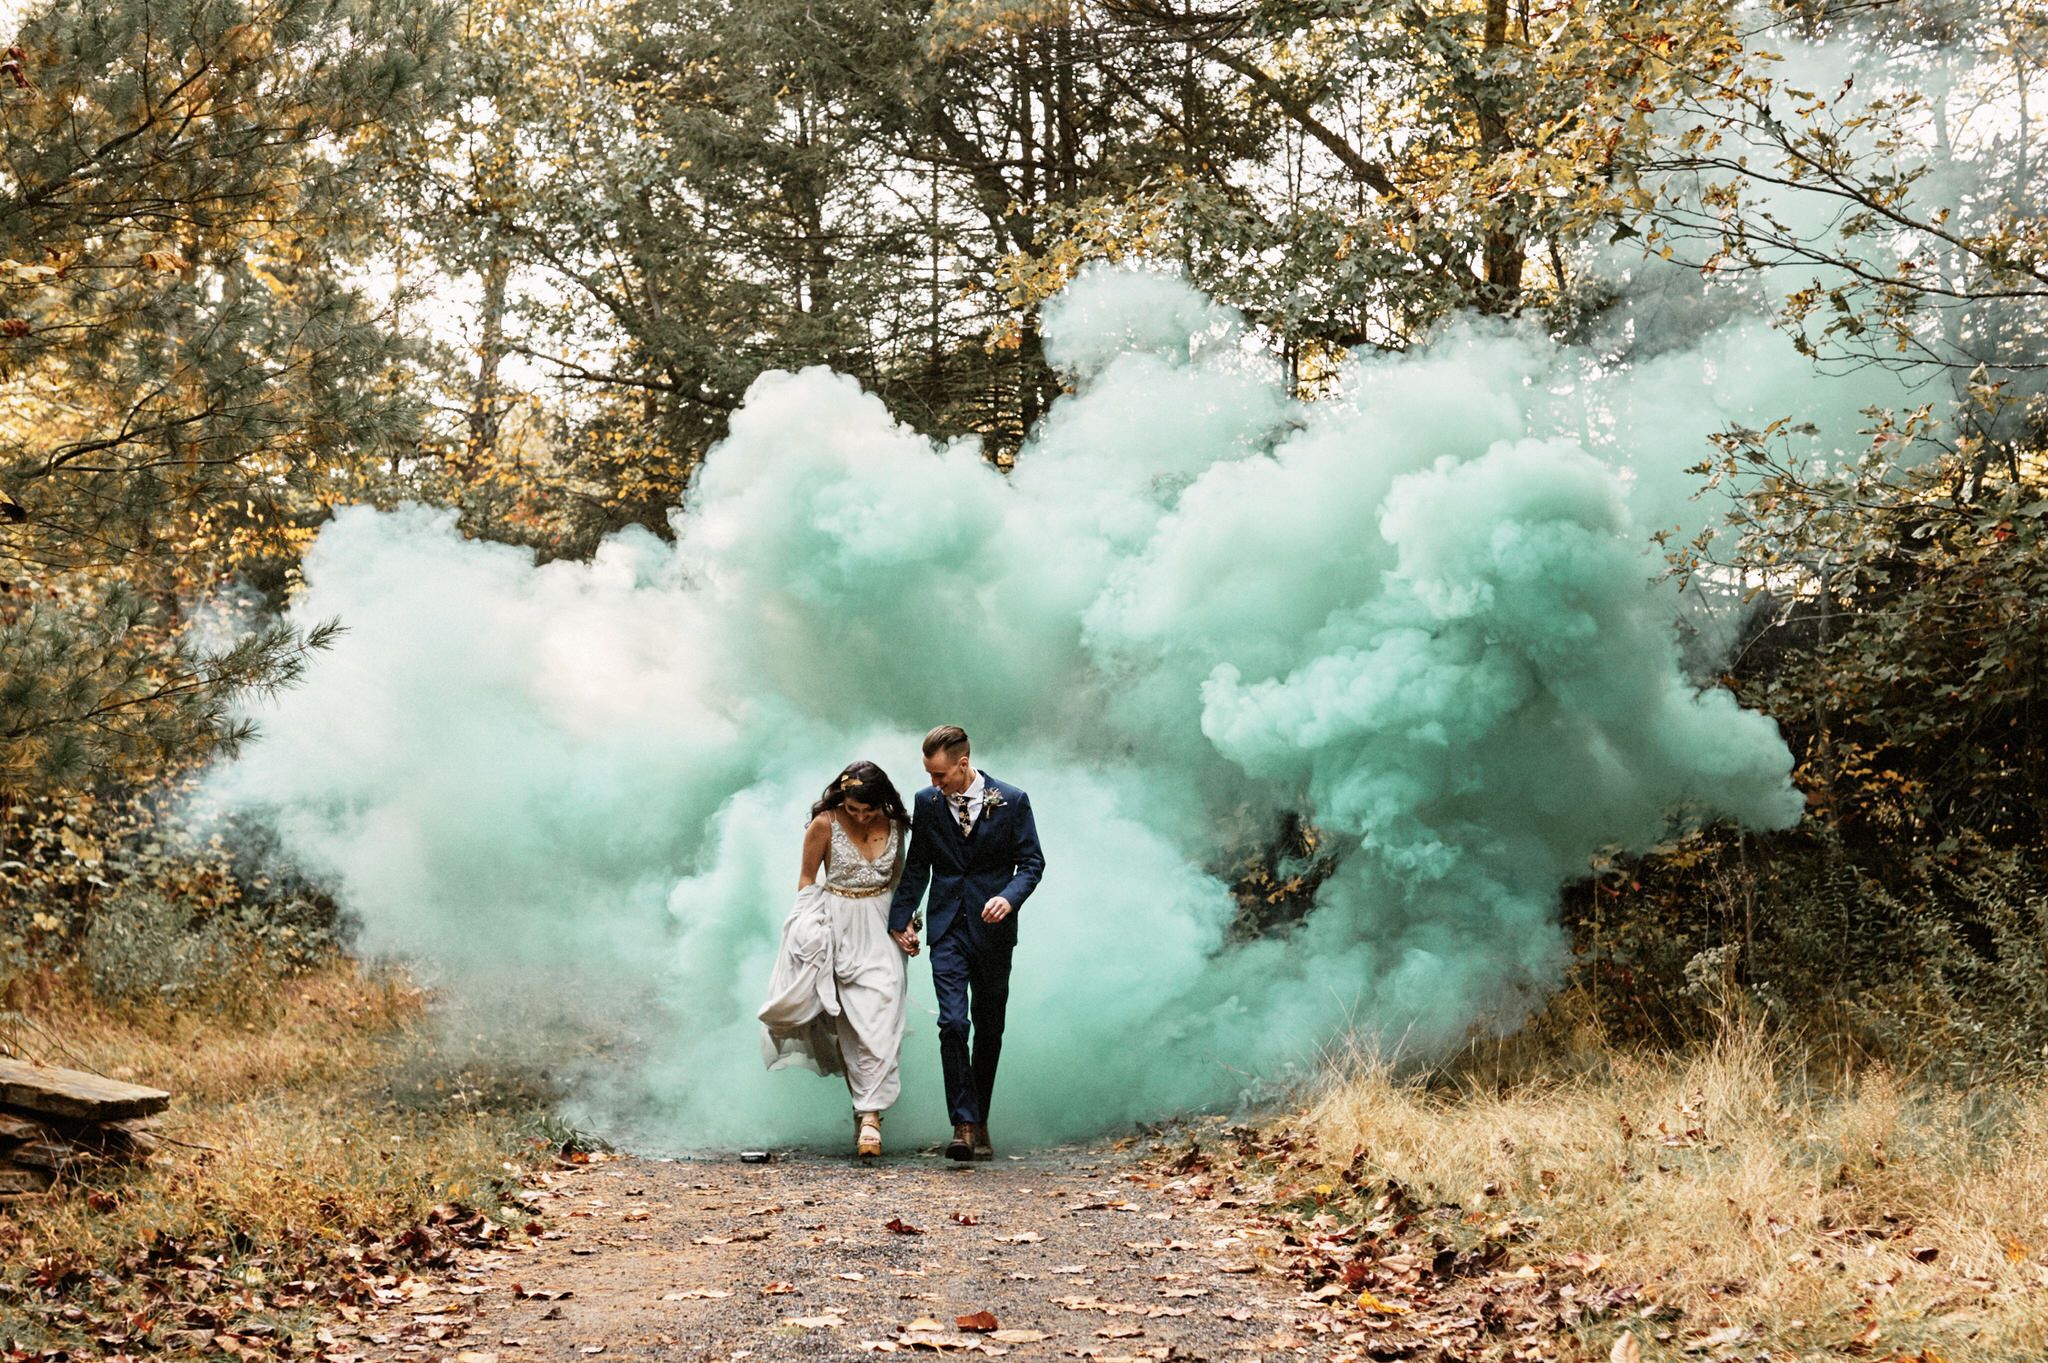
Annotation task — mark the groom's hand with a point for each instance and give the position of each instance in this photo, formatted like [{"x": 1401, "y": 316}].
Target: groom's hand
[
  {"x": 907, "y": 939},
  {"x": 996, "y": 910}
]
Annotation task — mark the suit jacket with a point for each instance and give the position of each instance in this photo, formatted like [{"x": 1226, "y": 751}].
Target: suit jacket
[{"x": 1000, "y": 856}]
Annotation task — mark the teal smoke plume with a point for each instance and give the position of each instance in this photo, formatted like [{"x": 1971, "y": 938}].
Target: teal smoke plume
[{"x": 1422, "y": 616}]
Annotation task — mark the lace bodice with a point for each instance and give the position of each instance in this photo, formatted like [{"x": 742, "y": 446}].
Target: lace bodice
[{"x": 847, "y": 869}]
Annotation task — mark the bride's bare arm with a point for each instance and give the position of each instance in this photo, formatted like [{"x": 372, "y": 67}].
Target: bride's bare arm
[
  {"x": 896, "y": 871},
  {"x": 816, "y": 837}
]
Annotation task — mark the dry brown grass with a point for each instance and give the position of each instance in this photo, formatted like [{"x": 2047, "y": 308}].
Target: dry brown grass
[
  {"x": 1844, "y": 1215},
  {"x": 286, "y": 1137}
]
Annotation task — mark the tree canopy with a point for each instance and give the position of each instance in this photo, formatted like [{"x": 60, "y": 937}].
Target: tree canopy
[{"x": 524, "y": 258}]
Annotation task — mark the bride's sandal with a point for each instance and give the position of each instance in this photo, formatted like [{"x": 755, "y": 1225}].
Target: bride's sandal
[{"x": 869, "y": 1142}]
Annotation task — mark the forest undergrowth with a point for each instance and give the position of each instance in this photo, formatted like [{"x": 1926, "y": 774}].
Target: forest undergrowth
[
  {"x": 316, "y": 1139},
  {"x": 1749, "y": 1194}
]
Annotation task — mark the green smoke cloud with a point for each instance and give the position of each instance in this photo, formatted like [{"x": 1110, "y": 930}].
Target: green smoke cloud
[{"x": 1194, "y": 606}]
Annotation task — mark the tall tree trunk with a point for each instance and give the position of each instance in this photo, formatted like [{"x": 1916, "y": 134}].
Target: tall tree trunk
[
  {"x": 935, "y": 228},
  {"x": 486, "y": 405},
  {"x": 1063, "y": 59},
  {"x": 808, "y": 193},
  {"x": 1030, "y": 346},
  {"x": 1502, "y": 247}
]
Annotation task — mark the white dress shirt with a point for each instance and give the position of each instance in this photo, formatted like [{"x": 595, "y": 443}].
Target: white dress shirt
[{"x": 976, "y": 792}]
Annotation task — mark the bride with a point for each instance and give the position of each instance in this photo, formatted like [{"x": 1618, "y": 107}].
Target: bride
[{"x": 835, "y": 1000}]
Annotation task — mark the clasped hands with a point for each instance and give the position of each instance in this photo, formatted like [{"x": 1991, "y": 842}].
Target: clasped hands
[{"x": 995, "y": 911}]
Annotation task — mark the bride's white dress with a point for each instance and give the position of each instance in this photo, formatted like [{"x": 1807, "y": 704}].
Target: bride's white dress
[{"x": 835, "y": 1001}]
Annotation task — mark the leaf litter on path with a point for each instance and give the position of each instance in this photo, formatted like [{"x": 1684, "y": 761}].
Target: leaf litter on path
[{"x": 984, "y": 1293}]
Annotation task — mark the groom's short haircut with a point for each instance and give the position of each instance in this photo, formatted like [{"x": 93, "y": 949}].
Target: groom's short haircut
[{"x": 946, "y": 737}]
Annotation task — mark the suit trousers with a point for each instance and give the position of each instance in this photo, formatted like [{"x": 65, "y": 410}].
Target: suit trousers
[{"x": 971, "y": 975}]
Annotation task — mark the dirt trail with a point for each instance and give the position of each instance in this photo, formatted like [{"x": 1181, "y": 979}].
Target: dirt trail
[{"x": 1075, "y": 1253}]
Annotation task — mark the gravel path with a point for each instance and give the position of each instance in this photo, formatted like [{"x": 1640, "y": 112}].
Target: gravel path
[{"x": 1075, "y": 1253}]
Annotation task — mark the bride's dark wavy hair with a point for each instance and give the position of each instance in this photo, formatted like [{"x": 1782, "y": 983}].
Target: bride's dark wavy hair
[{"x": 869, "y": 784}]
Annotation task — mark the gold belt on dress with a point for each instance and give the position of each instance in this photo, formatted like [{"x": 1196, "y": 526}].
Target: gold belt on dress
[{"x": 868, "y": 893}]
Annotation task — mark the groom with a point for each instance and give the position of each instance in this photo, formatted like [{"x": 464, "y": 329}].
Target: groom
[{"x": 972, "y": 838}]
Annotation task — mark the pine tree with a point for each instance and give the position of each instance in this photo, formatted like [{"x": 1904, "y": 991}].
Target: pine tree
[{"x": 187, "y": 375}]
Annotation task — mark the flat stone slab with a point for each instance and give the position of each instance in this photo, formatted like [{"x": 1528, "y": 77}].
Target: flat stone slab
[
  {"x": 13, "y": 1180},
  {"x": 56, "y": 1092}
]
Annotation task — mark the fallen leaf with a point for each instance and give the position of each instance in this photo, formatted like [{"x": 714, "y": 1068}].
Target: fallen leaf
[
  {"x": 777, "y": 1289},
  {"x": 923, "y": 1323},
  {"x": 1018, "y": 1336},
  {"x": 1729, "y": 1335},
  {"x": 827, "y": 1322},
  {"x": 1027, "y": 1237},
  {"x": 981, "y": 1322},
  {"x": 697, "y": 1294},
  {"x": 852, "y": 1277},
  {"x": 967, "y": 1218},
  {"x": 1120, "y": 1332},
  {"x": 902, "y": 1227},
  {"x": 1368, "y": 1302},
  {"x": 591, "y": 1349},
  {"x": 1625, "y": 1350},
  {"x": 764, "y": 1211},
  {"x": 476, "y": 1356},
  {"x": 541, "y": 1293}
]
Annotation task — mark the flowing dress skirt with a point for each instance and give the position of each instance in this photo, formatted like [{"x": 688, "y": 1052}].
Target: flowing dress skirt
[{"x": 836, "y": 998}]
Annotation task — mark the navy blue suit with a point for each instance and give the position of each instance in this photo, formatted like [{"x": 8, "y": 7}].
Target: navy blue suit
[{"x": 970, "y": 958}]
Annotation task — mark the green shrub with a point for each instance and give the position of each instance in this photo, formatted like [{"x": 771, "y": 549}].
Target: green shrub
[
  {"x": 140, "y": 947},
  {"x": 1937, "y": 963}
]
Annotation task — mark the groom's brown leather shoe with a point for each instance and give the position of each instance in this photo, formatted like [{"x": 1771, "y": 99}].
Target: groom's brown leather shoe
[
  {"x": 982, "y": 1149},
  {"x": 962, "y": 1144}
]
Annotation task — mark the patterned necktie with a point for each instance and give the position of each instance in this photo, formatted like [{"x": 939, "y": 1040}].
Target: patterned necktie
[{"x": 960, "y": 812}]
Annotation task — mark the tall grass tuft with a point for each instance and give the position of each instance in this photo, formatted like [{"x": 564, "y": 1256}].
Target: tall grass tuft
[{"x": 1825, "y": 1208}]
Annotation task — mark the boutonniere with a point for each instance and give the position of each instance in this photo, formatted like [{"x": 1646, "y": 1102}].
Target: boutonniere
[{"x": 991, "y": 801}]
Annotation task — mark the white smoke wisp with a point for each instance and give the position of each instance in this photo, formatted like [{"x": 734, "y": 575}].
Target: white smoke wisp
[{"x": 1194, "y": 607}]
